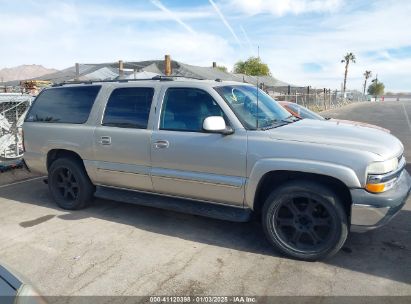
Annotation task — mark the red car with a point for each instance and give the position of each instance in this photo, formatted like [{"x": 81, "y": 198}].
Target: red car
[{"x": 303, "y": 112}]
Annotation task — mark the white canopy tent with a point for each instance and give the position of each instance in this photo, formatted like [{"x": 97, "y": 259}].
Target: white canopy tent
[{"x": 141, "y": 75}]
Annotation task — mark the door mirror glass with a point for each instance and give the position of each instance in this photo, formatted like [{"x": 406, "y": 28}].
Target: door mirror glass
[{"x": 216, "y": 124}]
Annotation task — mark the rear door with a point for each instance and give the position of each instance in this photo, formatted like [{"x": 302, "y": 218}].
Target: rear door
[{"x": 122, "y": 139}]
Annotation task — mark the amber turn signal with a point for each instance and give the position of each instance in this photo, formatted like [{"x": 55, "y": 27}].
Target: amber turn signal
[{"x": 376, "y": 188}]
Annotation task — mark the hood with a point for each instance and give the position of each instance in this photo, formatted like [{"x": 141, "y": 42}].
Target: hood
[
  {"x": 340, "y": 134},
  {"x": 363, "y": 124}
]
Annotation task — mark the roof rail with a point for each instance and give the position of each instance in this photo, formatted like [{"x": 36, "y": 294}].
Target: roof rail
[
  {"x": 97, "y": 81},
  {"x": 158, "y": 77},
  {"x": 170, "y": 77}
]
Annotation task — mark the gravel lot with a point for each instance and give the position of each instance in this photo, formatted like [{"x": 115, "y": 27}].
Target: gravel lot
[{"x": 121, "y": 249}]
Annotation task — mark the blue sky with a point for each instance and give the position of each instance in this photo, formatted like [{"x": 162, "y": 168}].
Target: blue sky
[{"x": 303, "y": 41}]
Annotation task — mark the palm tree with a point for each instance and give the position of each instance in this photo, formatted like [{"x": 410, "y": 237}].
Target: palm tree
[
  {"x": 349, "y": 57},
  {"x": 367, "y": 74}
]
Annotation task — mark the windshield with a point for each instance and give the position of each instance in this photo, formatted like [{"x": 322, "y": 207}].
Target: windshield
[
  {"x": 243, "y": 101},
  {"x": 304, "y": 112}
]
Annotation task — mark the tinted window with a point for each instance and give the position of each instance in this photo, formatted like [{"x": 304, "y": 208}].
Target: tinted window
[
  {"x": 129, "y": 108},
  {"x": 64, "y": 105},
  {"x": 185, "y": 109}
]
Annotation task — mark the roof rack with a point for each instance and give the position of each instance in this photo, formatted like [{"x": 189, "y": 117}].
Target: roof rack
[
  {"x": 170, "y": 77},
  {"x": 158, "y": 77}
]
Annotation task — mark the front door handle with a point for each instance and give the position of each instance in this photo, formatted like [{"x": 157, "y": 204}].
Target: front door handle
[
  {"x": 105, "y": 140},
  {"x": 161, "y": 144}
]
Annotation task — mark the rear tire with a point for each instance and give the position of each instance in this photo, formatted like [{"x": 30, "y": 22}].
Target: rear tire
[
  {"x": 305, "y": 220},
  {"x": 69, "y": 184}
]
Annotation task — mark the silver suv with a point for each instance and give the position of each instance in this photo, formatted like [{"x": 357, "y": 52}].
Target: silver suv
[{"x": 220, "y": 149}]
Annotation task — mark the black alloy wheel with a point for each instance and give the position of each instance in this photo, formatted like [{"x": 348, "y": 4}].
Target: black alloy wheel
[
  {"x": 305, "y": 220},
  {"x": 303, "y": 223},
  {"x": 69, "y": 184}
]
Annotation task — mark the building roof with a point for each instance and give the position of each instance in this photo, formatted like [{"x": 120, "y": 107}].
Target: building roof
[{"x": 109, "y": 71}]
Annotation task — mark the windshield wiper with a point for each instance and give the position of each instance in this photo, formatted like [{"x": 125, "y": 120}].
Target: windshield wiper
[
  {"x": 295, "y": 118},
  {"x": 275, "y": 124}
]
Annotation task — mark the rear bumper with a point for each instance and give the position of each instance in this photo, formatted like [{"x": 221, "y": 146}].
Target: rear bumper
[{"x": 370, "y": 211}]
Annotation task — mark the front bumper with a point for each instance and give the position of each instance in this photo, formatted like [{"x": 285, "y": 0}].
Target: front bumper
[{"x": 370, "y": 211}]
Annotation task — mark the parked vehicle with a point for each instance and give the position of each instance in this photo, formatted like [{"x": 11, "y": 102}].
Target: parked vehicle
[
  {"x": 302, "y": 112},
  {"x": 16, "y": 290},
  {"x": 219, "y": 149}
]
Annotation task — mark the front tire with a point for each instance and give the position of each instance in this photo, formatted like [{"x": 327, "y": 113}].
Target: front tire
[
  {"x": 305, "y": 220},
  {"x": 69, "y": 184}
]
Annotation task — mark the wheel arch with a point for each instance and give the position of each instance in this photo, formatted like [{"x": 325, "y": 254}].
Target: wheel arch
[
  {"x": 273, "y": 179},
  {"x": 55, "y": 154}
]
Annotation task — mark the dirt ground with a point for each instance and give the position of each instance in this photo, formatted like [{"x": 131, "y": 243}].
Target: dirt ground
[{"x": 15, "y": 175}]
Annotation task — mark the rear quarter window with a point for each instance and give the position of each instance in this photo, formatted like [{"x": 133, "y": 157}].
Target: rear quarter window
[{"x": 64, "y": 105}]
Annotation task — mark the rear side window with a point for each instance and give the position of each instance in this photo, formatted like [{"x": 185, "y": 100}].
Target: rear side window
[
  {"x": 64, "y": 105},
  {"x": 128, "y": 108}
]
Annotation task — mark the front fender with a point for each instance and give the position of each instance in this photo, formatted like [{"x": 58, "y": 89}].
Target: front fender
[{"x": 344, "y": 174}]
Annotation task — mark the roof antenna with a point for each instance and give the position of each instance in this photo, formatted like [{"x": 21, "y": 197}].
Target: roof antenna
[{"x": 258, "y": 56}]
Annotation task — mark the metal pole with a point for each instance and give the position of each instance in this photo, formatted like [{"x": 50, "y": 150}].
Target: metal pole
[
  {"x": 329, "y": 98},
  {"x": 16, "y": 137}
]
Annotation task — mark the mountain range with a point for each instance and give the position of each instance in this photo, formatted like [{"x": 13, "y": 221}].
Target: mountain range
[{"x": 26, "y": 71}]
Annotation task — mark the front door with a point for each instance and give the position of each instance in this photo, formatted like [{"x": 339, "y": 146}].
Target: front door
[
  {"x": 122, "y": 141},
  {"x": 190, "y": 163}
]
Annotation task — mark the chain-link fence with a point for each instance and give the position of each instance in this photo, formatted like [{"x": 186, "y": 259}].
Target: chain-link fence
[
  {"x": 319, "y": 100},
  {"x": 13, "y": 109}
]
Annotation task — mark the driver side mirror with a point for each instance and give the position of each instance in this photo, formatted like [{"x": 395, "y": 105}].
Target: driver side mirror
[{"x": 216, "y": 124}]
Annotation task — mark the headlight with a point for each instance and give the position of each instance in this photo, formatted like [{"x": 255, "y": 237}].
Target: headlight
[
  {"x": 379, "y": 178},
  {"x": 383, "y": 167}
]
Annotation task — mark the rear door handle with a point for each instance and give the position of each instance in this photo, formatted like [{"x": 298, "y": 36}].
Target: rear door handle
[
  {"x": 161, "y": 144},
  {"x": 105, "y": 140}
]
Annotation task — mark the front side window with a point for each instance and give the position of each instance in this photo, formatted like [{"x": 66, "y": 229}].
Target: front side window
[
  {"x": 253, "y": 107},
  {"x": 63, "y": 105},
  {"x": 128, "y": 108},
  {"x": 184, "y": 109}
]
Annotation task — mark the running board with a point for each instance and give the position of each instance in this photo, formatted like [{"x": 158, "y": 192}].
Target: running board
[{"x": 221, "y": 212}]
